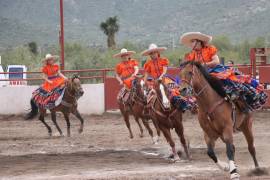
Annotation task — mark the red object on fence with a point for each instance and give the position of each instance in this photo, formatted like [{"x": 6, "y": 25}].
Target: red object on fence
[{"x": 61, "y": 38}]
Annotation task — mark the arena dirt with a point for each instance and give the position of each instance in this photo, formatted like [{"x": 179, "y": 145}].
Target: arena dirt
[{"x": 105, "y": 151}]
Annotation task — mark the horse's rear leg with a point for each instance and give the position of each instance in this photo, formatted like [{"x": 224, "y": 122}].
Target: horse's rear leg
[
  {"x": 140, "y": 126},
  {"x": 78, "y": 115},
  {"x": 166, "y": 132},
  {"x": 41, "y": 118},
  {"x": 66, "y": 116},
  {"x": 53, "y": 116},
  {"x": 247, "y": 131},
  {"x": 180, "y": 132}
]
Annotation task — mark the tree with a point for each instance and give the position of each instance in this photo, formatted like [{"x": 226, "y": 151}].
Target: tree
[
  {"x": 110, "y": 27},
  {"x": 33, "y": 47}
]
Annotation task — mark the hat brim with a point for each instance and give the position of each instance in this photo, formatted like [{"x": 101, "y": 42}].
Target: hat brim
[
  {"x": 54, "y": 57},
  {"x": 149, "y": 51},
  {"x": 186, "y": 39},
  {"x": 128, "y": 53}
]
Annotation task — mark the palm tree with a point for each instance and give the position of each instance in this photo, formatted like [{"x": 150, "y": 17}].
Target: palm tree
[{"x": 110, "y": 27}]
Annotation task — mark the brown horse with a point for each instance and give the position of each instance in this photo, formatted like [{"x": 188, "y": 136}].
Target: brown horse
[
  {"x": 68, "y": 105},
  {"x": 215, "y": 115},
  {"x": 136, "y": 107},
  {"x": 167, "y": 117}
]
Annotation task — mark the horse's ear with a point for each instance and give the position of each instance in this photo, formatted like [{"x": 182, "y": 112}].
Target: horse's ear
[{"x": 75, "y": 76}]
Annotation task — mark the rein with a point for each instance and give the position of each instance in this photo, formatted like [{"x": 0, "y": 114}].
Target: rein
[
  {"x": 191, "y": 82},
  {"x": 69, "y": 94}
]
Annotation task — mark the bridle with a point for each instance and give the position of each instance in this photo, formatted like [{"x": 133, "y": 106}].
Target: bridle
[
  {"x": 135, "y": 97},
  {"x": 190, "y": 83}
]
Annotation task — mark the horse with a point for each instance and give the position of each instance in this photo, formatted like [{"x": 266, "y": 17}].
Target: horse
[
  {"x": 136, "y": 107},
  {"x": 167, "y": 117},
  {"x": 216, "y": 114},
  {"x": 68, "y": 105}
]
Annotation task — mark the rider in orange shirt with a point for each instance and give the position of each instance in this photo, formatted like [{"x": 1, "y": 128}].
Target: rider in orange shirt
[
  {"x": 235, "y": 85},
  {"x": 201, "y": 50},
  {"x": 126, "y": 71},
  {"x": 156, "y": 68},
  {"x": 51, "y": 90},
  {"x": 51, "y": 74}
]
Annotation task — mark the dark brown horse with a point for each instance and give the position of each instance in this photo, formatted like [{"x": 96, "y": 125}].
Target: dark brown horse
[
  {"x": 68, "y": 105},
  {"x": 136, "y": 107},
  {"x": 215, "y": 115},
  {"x": 167, "y": 117}
]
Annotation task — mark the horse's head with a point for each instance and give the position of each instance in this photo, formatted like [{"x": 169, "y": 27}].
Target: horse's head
[
  {"x": 186, "y": 76},
  {"x": 162, "y": 93},
  {"x": 138, "y": 87},
  {"x": 75, "y": 86}
]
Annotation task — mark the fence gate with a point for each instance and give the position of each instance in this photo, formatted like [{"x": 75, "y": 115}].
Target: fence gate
[{"x": 111, "y": 89}]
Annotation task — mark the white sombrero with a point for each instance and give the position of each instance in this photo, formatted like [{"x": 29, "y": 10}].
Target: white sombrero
[
  {"x": 153, "y": 48},
  {"x": 187, "y": 38},
  {"x": 49, "y": 56},
  {"x": 123, "y": 52}
]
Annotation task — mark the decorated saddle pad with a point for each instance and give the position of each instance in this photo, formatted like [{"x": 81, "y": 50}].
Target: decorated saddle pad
[{"x": 48, "y": 100}]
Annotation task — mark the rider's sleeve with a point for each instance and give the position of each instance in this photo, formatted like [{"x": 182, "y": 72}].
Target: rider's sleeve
[
  {"x": 190, "y": 56},
  {"x": 164, "y": 62},
  {"x": 135, "y": 62},
  {"x": 44, "y": 70},
  {"x": 118, "y": 69},
  {"x": 212, "y": 50},
  {"x": 147, "y": 67}
]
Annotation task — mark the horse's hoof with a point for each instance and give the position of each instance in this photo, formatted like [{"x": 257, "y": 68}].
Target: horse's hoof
[
  {"x": 258, "y": 171},
  {"x": 80, "y": 131},
  {"x": 223, "y": 166},
  {"x": 131, "y": 136},
  {"x": 141, "y": 135},
  {"x": 235, "y": 176},
  {"x": 50, "y": 134},
  {"x": 179, "y": 153}
]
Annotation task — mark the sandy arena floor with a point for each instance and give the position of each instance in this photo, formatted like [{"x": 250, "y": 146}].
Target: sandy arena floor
[{"x": 104, "y": 151}]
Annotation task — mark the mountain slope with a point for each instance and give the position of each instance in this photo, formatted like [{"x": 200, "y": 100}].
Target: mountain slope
[{"x": 141, "y": 21}]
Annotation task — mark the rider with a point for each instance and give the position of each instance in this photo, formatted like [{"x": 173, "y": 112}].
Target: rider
[
  {"x": 53, "y": 87},
  {"x": 201, "y": 50},
  {"x": 235, "y": 84},
  {"x": 126, "y": 71},
  {"x": 156, "y": 69}
]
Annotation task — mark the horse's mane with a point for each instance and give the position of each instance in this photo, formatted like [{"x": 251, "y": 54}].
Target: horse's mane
[{"x": 214, "y": 82}]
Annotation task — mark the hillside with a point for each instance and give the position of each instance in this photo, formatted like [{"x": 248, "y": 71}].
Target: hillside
[{"x": 142, "y": 21}]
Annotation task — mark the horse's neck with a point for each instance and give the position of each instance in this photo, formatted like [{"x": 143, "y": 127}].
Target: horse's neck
[
  {"x": 208, "y": 96},
  {"x": 68, "y": 93}
]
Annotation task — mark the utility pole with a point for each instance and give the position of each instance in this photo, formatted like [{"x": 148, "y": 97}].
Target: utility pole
[{"x": 61, "y": 36}]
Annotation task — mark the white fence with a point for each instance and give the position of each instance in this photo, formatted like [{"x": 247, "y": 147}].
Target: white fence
[{"x": 16, "y": 99}]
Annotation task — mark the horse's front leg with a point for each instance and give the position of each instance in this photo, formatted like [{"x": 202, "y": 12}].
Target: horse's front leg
[
  {"x": 166, "y": 132},
  {"x": 66, "y": 116},
  {"x": 211, "y": 153},
  {"x": 78, "y": 115},
  {"x": 230, "y": 150},
  {"x": 53, "y": 116}
]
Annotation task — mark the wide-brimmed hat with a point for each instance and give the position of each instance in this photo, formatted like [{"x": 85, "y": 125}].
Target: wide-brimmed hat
[
  {"x": 153, "y": 48},
  {"x": 123, "y": 52},
  {"x": 187, "y": 38},
  {"x": 49, "y": 56}
]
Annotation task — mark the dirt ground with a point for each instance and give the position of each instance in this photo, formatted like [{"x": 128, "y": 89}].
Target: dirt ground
[{"x": 105, "y": 151}]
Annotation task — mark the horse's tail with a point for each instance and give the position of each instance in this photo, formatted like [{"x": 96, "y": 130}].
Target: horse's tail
[{"x": 34, "y": 111}]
